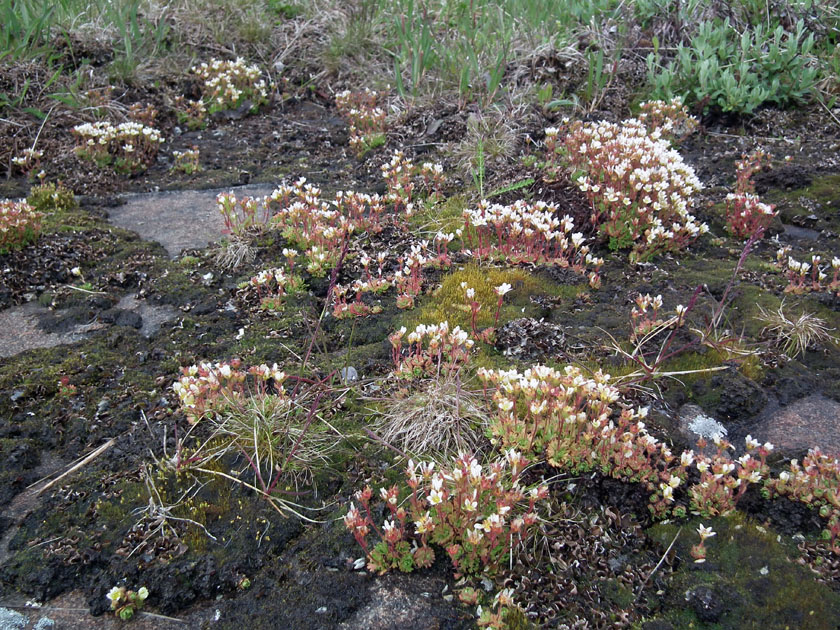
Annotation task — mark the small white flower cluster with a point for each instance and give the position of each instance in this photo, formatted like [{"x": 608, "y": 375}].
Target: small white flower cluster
[
  {"x": 640, "y": 189},
  {"x": 228, "y": 84},
  {"x": 367, "y": 120},
  {"x": 539, "y": 386},
  {"x": 398, "y": 174},
  {"x": 745, "y": 214},
  {"x": 751, "y": 202},
  {"x": 125, "y": 602},
  {"x": 432, "y": 349},
  {"x": 320, "y": 226},
  {"x": 206, "y": 387},
  {"x": 817, "y": 470},
  {"x": 804, "y": 277},
  {"x": 103, "y": 133},
  {"x": 28, "y": 159},
  {"x": 264, "y": 277},
  {"x": 130, "y": 146},
  {"x": 815, "y": 482},
  {"x": 435, "y": 334},
  {"x": 527, "y": 232},
  {"x": 432, "y": 169},
  {"x": 186, "y": 161},
  {"x": 432, "y": 173},
  {"x": 19, "y": 223},
  {"x": 671, "y": 119},
  {"x": 724, "y": 480}
]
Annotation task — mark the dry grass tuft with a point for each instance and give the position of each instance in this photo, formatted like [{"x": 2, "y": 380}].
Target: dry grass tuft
[
  {"x": 491, "y": 137},
  {"x": 794, "y": 335},
  {"x": 441, "y": 418},
  {"x": 234, "y": 253}
]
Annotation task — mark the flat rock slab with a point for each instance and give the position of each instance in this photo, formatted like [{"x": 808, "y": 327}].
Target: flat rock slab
[
  {"x": 70, "y": 611},
  {"x": 392, "y": 607},
  {"x": 808, "y": 422},
  {"x": 178, "y": 220},
  {"x": 20, "y": 331},
  {"x": 152, "y": 316}
]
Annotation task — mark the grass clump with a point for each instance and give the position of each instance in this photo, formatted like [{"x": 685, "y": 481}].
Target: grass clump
[
  {"x": 440, "y": 417},
  {"x": 794, "y": 335},
  {"x": 254, "y": 421}
]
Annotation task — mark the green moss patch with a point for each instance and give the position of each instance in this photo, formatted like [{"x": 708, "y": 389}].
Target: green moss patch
[{"x": 752, "y": 575}]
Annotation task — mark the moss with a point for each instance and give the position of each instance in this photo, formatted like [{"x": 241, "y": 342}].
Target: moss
[
  {"x": 189, "y": 261},
  {"x": 116, "y": 511},
  {"x": 449, "y": 302},
  {"x": 618, "y": 593},
  {"x": 515, "y": 619},
  {"x": 824, "y": 192},
  {"x": 57, "y": 204},
  {"x": 708, "y": 359},
  {"x": 446, "y": 216},
  {"x": 752, "y": 571}
]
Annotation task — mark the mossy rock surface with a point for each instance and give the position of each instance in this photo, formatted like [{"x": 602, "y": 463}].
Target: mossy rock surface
[{"x": 750, "y": 580}]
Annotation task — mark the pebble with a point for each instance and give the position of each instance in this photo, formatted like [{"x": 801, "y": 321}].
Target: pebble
[{"x": 349, "y": 374}]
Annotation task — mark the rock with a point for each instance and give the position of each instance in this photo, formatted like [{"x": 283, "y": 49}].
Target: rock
[
  {"x": 44, "y": 623},
  {"x": 12, "y": 620},
  {"x": 103, "y": 406},
  {"x": 707, "y": 604},
  {"x": 21, "y": 329},
  {"x": 392, "y": 607},
  {"x": 657, "y": 624},
  {"x": 808, "y": 422},
  {"x": 129, "y": 319},
  {"x": 151, "y": 316},
  {"x": 161, "y": 216},
  {"x": 740, "y": 398},
  {"x": 693, "y": 423},
  {"x": 205, "y": 307}
]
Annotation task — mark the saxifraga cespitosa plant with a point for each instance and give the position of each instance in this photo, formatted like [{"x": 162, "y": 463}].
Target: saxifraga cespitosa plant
[
  {"x": 476, "y": 513},
  {"x": 253, "y": 417},
  {"x": 20, "y": 224},
  {"x": 638, "y": 186}
]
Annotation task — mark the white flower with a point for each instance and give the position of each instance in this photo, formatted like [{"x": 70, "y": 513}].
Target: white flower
[
  {"x": 705, "y": 532},
  {"x": 502, "y": 289},
  {"x": 115, "y": 594}
]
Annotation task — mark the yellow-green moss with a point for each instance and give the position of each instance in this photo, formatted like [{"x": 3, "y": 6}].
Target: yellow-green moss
[{"x": 449, "y": 302}]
